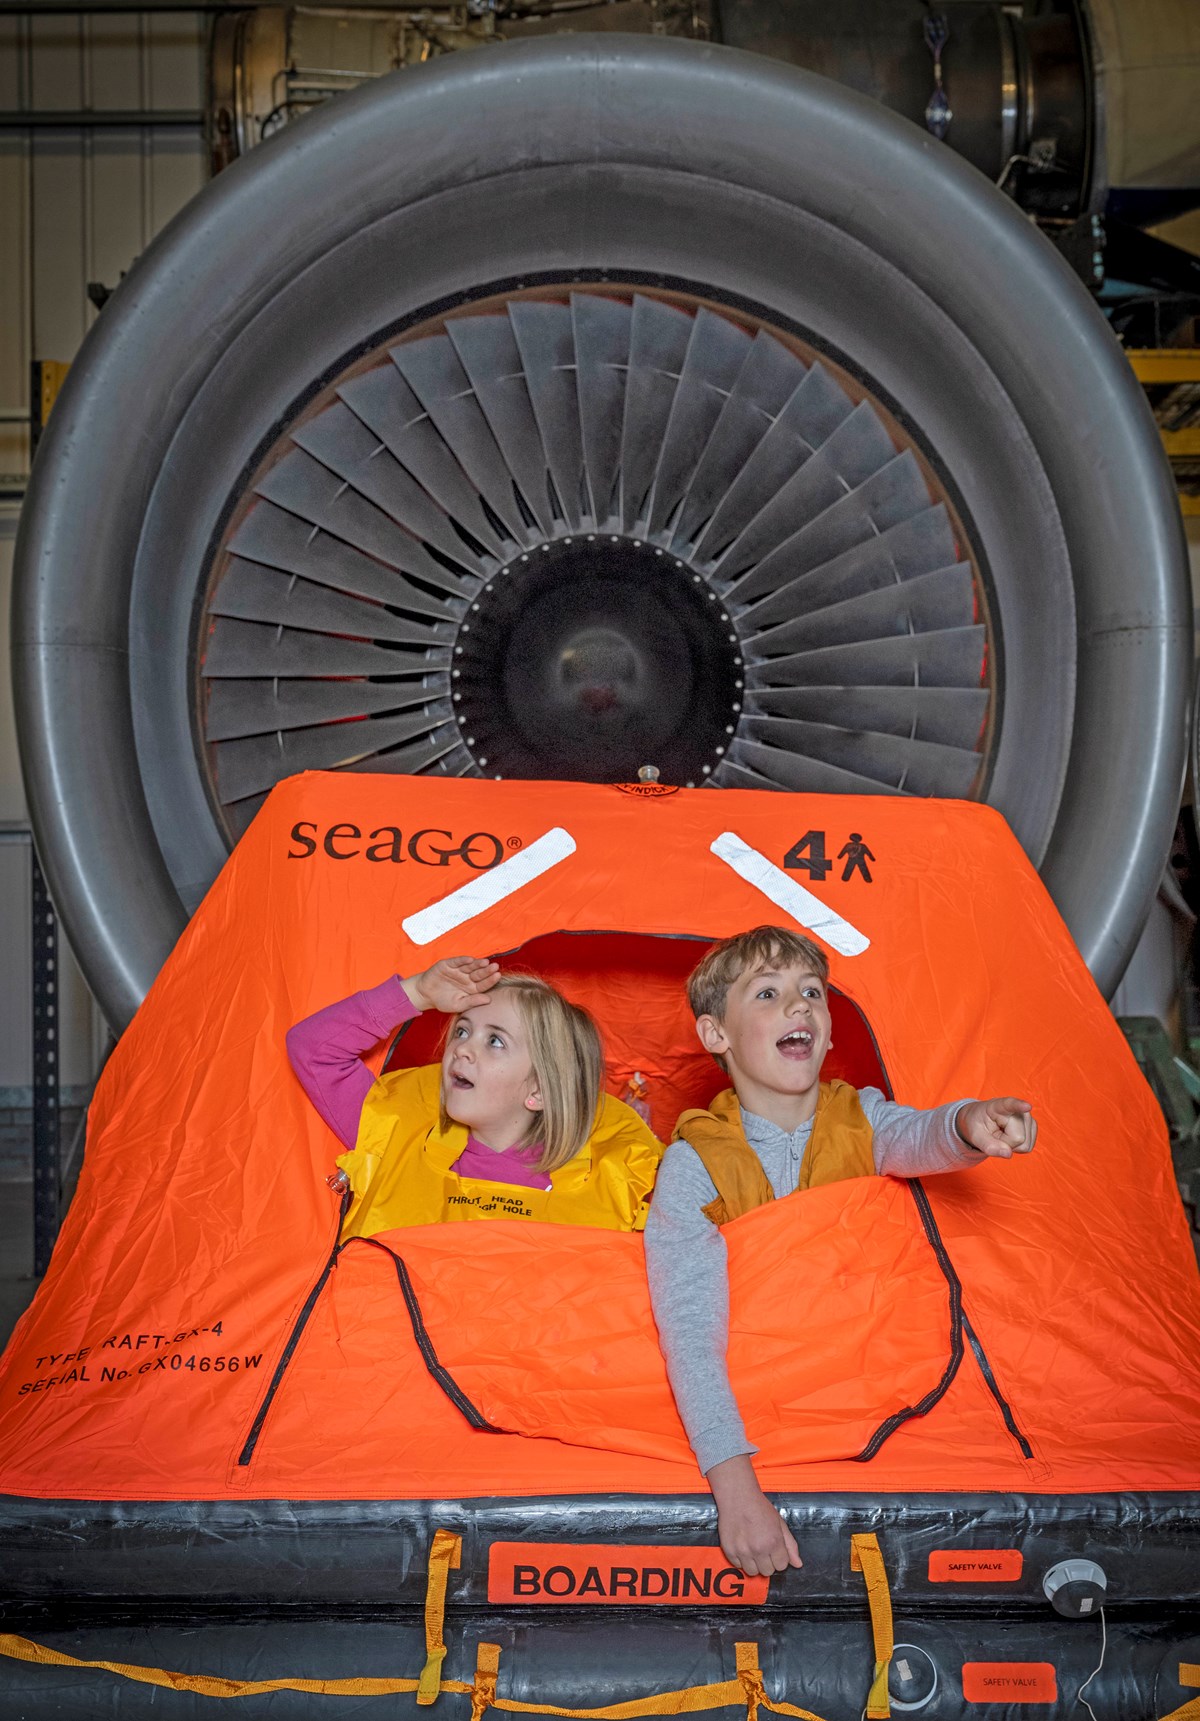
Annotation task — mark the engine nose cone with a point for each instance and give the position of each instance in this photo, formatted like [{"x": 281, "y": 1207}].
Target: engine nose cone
[
  {"x": 600, "y": 671},
  {"x": 589, "y": 655}
]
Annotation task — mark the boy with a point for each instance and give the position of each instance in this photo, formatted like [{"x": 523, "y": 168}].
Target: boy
[{"x": 761, "y": 1009}]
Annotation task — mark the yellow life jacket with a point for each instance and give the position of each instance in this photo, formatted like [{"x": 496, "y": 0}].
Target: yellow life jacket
[
  {"x": 400, "y": 1171},
  {"x": 839, "y": 1147}
]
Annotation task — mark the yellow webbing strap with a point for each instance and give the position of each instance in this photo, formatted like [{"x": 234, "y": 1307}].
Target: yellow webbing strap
[
  {"x": 866, "y": 1558},
  {"x": 747, "y": 1688},
  {"x": 445, "y": 1553},
  {"x": 482, "y": 1692},
  {"x": 1189, "y": 1711},
  {"x": 487, "y": 1665},
  {"x": 750, "y": 1677},
  {"x": 205, "y": 1685},
  {"x": 1189, "y": 1674}
]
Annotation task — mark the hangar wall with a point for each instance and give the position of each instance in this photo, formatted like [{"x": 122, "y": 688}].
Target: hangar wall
[{"x": 76, "y": 207}]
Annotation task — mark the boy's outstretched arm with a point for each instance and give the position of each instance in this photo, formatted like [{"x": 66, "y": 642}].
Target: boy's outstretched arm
[
  {"x": 689, "y": 1290},
  {"x": 912, "y": 1143}
]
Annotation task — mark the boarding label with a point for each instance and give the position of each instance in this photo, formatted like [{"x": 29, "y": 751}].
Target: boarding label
[{"x": 578, "y": 1574}]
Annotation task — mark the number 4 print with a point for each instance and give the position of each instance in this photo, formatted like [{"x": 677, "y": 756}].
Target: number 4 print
[{"x": 807, "y": 854}]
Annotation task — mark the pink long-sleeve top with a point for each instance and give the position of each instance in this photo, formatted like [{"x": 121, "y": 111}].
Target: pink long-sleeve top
[{"x": 326, "y": 1053}]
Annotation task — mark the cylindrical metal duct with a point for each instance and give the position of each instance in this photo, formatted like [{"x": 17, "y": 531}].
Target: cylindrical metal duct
[
  {"x": 753, "y": 396},
  {"x": 1010, "y": 93},
  {"x": 1146, "y": 69},
  {"x": 1016, "y": 88}
]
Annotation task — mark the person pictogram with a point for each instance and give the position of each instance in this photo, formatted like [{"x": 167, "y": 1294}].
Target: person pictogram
[{"x": 856, "y": 855}]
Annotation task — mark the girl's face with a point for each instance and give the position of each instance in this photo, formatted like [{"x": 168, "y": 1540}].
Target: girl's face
[{"x": 488, "y": 1082}]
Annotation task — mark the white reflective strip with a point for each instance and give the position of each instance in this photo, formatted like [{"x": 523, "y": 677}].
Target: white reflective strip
[
  {"x": 490, "y": 887},
  {"x": 805, "y": 908}
]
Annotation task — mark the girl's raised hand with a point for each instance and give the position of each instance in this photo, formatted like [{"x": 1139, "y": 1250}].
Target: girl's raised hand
[
  {"x": 453, "y": 984},
  {"x": 999, "y": 1127}
]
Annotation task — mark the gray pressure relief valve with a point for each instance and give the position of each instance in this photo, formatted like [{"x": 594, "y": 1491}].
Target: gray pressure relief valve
[{"x": 1076, "y": 1588}]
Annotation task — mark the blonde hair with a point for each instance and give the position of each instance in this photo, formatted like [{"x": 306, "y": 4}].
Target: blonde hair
[
  {"x": 762, "y": 947},
  {"x": 568, "y": 1066}
]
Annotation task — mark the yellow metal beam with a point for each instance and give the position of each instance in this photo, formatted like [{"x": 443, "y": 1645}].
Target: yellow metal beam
[
  {"x": 1182, "y": 444},
  {"x": 1165, "y": 364},
  {"x": 48, "y": 377}
]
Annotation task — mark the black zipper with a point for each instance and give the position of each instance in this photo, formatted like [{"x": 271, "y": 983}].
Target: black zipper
[
  {"x": 302, "y": 1320},
  {"x": 959, "y": 1325},
  {"x": 888, "y": 1427},
  {"x": 429, "y": 1355},
  {"x": 985, "y": 1369},
  {"x": 437, "y": 1369}
]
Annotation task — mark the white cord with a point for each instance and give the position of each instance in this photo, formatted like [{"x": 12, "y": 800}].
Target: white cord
[{"x": 1103, "y": 1647}]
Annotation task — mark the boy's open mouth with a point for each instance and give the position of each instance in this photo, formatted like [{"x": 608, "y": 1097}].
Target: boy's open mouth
[
  {"x": 459, "y": 1083},
  {"x": 796, "y": 1044}
]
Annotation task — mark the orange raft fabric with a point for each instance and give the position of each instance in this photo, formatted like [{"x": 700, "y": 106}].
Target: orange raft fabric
[{"x": 203, "y": 1220}]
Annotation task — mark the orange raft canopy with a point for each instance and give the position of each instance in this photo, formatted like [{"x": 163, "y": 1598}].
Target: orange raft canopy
[
  {"x": 966, "y": 1390},
  {"x": 1044, "y": 1313}
]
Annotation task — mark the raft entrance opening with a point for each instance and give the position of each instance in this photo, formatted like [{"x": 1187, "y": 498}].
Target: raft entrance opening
[{"x": 633, "y": 983}]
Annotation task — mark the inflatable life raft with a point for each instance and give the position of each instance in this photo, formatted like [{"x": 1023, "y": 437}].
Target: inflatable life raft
[{"x": 240, "y": 1460}]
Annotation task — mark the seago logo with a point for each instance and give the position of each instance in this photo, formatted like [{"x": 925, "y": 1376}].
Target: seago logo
[{"x": 389, "y": 844}]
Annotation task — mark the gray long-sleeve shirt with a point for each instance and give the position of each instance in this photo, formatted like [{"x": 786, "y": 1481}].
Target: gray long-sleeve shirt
[{"x": 687, "y": 1261}]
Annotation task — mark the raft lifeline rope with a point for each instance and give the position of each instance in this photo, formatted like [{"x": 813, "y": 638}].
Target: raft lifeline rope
[{"x": 445, "y": 1555}]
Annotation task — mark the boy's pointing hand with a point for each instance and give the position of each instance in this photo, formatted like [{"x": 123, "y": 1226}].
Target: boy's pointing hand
[{"x": 999, "y": 1127}]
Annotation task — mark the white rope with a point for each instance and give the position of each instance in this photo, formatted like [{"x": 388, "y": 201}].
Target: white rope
[{"x": 1103, "y": 1647}]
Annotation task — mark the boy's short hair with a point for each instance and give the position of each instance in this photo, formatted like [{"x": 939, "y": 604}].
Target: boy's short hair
[{"x": 762, "y": 947}]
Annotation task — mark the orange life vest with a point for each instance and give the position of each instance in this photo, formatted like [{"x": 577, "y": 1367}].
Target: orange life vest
[
  {"x": 400, "y": 1171},
  {"x": 839, "y": 1147}
]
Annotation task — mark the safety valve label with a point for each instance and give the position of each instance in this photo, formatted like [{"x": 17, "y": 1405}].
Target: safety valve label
[
  {"x": 975, "y": 1565},
  {"x": 1009, "y": 1682}
]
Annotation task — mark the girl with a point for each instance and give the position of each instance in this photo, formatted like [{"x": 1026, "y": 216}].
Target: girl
[{"x": 513, "y": 1124}]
